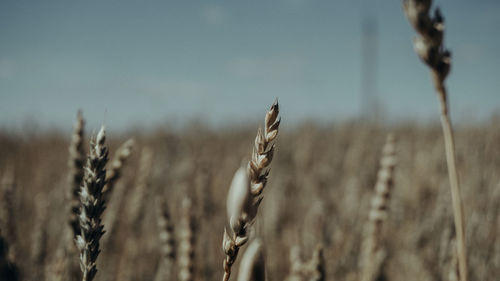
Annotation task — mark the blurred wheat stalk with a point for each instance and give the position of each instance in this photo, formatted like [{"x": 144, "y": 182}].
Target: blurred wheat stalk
[
  {"x": 429, "y": 47},
  {"x": 245, "y": 192}
]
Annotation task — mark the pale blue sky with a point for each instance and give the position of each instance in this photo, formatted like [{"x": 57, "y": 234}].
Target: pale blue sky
[{"x": 147, "y": 62}]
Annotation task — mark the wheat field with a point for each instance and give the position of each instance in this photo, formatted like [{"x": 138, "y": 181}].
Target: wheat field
[{"x": 319, "y": 192}]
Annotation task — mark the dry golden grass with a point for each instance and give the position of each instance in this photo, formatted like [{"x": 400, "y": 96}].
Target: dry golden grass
[{"x": 318, "y": 192}]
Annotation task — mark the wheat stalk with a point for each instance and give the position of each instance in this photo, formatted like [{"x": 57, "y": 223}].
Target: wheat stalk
[
  {"x": 116, "y": 167},
  {"x": 142, "y": 187},
  {"x": 123, "y": 202},
  {"x": 429, "y": 47},
  {"x": 39, "y": 245},
  {"x": 166, "y": 237},
  {"x": 134, "y": 208},
  {"x": 76, "y": 173},
  {"x": 373, "y": 254},
  {"x": 92, "y": 206},
  {"x": 263, "y": 151},
  {"x": 314, "y": 269},
  {"x": 317, "y": 265},
  {"x": 245, "y": 192},
  {"x": 296, "y": 265},
  {"x": 115, "y": 199},
  {"x": 76, "y": 162},
  {"x": 112, "y": 176},
  {"x": 252, "y": 267},
  {"x": 186, "y": 242}
]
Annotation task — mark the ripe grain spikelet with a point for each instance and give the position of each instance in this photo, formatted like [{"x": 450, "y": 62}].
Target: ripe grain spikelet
[
  {"x": 142, "y": 187},
  {"x": 76, "y": 173},
  {"x": 239, "y": 201},
  {"x": 263, "y": 152},
  {"x": 166, "y": 238},
  {"x": 186, "y": 242},
  {"x": 312, "y": 270},
  {"x": 245, "y": 193},
  {"x": 116, "y": 167},
  {"x": 296, "y": 265},
  {"x": 317, "y": 265},
  {"x": 92, "y": 206},
  {"x": 373, "y": 253}
]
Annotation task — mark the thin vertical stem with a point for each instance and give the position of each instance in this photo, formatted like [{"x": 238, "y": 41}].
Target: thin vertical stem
[{"x": 456, "y": 197}]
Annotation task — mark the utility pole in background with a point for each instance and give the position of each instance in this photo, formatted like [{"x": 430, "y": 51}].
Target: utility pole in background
[{"x": 369, "y": 105}]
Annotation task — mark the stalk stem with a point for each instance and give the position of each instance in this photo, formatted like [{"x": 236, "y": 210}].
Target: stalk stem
[{"x": 456, "y": 197}]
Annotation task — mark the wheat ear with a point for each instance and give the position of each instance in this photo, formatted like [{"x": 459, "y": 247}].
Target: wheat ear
[
  {"x": 116, "y": 167},
  {"x": 112, "y": 176},
  {"x": 134, "y": 207},
  {"x": 113, "y": 210},
  {"x": 317, "y": 265},
  {"x": 263, "y": 152},
  {"x": 245, "y": 193},
  {"x": 75, "y": 177},
  {"x": 186, "y": 242},
  {"x": 167, "y": 241},
  {"x": 252, "y": 266},
  {"x": 373, "y": 253},
  {"x": 296, "y": 265},
  {"x": 142, "y": 188},
  {"x": 429, "y": 47},
  {"x": 314, "y": 269},
  {"x": 92, "y": 206}
]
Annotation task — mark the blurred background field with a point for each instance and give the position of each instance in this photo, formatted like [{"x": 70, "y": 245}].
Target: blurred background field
[{"x": 319, "y": 189}]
